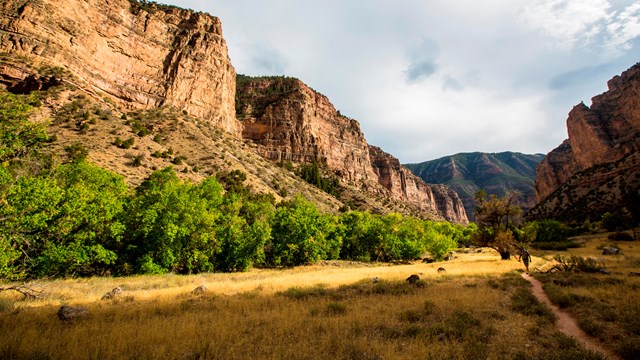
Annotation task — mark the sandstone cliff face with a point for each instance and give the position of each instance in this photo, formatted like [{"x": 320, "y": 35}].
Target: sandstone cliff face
[
  {"x": 291, "y": 122},
  {"x": 604, "y": 140},
  {"x": 600, "y": 134},
  {"x": 403, "y": 185},
  {"x": 139, "y": 57}
]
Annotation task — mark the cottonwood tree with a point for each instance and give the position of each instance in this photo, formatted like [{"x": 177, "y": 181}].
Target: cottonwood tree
[{"x": 496, "y": 218}]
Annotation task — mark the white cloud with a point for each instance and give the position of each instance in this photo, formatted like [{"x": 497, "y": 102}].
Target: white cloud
[
  {"x": 624, "y": 28},
  {"x": 568, "y": 22}
]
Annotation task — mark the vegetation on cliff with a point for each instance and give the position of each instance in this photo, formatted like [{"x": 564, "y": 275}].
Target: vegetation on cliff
[{"x": 497, "y": 174}]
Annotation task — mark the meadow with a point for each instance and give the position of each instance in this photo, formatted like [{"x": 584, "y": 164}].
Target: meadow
[{"x": 479, "y": 308}]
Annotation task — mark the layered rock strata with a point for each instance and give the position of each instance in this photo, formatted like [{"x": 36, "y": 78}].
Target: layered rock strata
[
  {"x": 140, "y": 55},
  {"x": 292, "y": 122}
]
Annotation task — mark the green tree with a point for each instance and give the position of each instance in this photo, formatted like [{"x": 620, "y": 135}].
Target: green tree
[
  {"x": 18, "y": 135},
  {"x": 243, "y": 230},
  {"x": 65, "y": 223},
  {"x": 496, "y": 219},
  {"x": 298, "y": 234},
  {"x": 172, "y": 225},
  {"x": 360, "y": 238}
]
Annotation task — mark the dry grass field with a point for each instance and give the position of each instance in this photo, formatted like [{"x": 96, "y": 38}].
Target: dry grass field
[{"x": 479, "y": 308}]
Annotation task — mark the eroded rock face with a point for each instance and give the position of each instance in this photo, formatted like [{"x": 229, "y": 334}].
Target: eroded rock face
[
  {"x": 292, "y": 122},
  {"x": 141, "y": 58},
  {"x": 597, "y": 167},
  {"x": 403, "y": 185}
]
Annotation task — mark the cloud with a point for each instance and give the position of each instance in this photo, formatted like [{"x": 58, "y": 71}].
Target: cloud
[
  {"x": 569, "y": 23},
  {"x": 420, "y": 71},
  {"x": 264, "y": 59},
  {"x": 578, "y": 77},
  {"x": 450, "y": 83},
  {"x": 624, "y": 28},
  {"x": 594, "y": 25}
]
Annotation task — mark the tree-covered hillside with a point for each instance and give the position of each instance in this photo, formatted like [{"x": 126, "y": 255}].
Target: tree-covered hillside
[{"x": 497, "y": 174}]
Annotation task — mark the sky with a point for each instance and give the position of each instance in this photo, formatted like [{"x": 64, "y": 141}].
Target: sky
[{"x": 430, "y": 78}]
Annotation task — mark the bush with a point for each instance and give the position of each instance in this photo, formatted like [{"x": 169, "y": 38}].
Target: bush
[
  {"x": 578, "y": 263},
  {"x": 622, "y": 236},
  {"x": 629, "y": 348},
  {"x": 77, "y": 152},
  {"x": 126, "y": 144}
]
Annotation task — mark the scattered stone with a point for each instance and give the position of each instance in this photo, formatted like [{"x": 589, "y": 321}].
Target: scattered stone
[
  {"x": 413, "y": 279},
  {"x": 441, "y": 336},
  {"x": 115, "y": 292},
  {"x": 375, "y": 280},
  {"x": 71, "y": 312},
  {"x": 479, "y": 251},
  {"x": 441, "y": 270},
  {"x": 608, "y": 250},
  {"x": 199, "y": 290},
  {"x": 605, "y": 271},
  {"x": 428, "y": 260}
]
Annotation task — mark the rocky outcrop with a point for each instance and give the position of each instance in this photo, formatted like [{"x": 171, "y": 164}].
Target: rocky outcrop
[
  {"x": 292, "y": 122},
  {"x": 595, "y": 169},
  {"x": 140, "y": 55},
  {"x": 404, "y": 186},
  {"x": 496, "y": 173}
]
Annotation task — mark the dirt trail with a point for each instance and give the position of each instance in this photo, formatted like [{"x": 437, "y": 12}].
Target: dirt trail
[{"x": 565, "y": 323}]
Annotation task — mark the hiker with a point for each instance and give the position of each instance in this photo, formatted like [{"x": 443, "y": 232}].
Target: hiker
[{"x": 526, "y": 258}]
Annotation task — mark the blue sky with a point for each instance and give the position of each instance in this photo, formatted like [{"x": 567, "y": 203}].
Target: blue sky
[{"x": 429, "y": 78}]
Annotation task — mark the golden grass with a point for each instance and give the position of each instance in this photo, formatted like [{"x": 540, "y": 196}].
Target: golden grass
[
  {"x": 284, "y": 314},
  {"x": 606, "y": 306}
]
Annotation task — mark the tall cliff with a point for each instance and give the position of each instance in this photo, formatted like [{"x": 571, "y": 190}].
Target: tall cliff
[
  {"x": 140, "y": 55},
  {"x": 598, "y": 167},
  {"x": 497, "y": 174},
  {"x": 291, "y": 122},
  {"x": 403, "y": 185}
]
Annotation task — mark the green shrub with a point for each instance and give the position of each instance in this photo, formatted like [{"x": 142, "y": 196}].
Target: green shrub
[{"x": 77, "y": 152}]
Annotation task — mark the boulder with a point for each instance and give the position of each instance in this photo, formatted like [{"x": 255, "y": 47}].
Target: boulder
[
  {"x": 115, "y": 292},
  {"x": 413, "y": 279},
  {"x": 71, "y": 312},
  {"x": 608, "y": 250},
  {"x": 199, "y": 290}
]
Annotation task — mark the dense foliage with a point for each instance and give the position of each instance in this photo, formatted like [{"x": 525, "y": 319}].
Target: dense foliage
[
  {"x": 77, "y": 219},
  {"x": 81, "y": 220}
]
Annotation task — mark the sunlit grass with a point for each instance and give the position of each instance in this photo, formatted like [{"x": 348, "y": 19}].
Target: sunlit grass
[{"x": 313, "y": 312}]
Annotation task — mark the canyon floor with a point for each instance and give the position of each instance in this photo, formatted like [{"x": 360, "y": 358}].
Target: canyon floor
[{"x": 480, "y": 307}]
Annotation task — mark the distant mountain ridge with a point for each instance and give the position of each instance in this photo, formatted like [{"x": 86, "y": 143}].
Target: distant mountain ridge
[{"x": 496, "y": 173}]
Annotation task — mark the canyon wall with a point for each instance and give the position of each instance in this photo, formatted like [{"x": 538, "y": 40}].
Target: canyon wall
[
  {"x": 139, "y": 55},
  {"x": 292, "y": 122},
  {"x": 600, "y": 157}
]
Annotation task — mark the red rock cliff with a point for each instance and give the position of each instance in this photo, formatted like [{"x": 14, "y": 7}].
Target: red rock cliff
[
  {"x": 292, "y": 122},
  {"x": 602, "y": 154},
  {"x": 142, "y": 56},
  {"x": 602, "y": 133}
]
